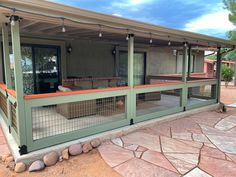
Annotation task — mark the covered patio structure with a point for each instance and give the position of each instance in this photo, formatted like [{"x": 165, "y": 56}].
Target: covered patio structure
[{"x": 68, "y": 73}]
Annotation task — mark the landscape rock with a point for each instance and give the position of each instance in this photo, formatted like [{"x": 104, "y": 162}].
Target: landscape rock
[
  {"x": 20, "y": 167},
  {"x": 87, "y": 147},
  {"x": 37, "y": 166},
  {"x": 11, "y": 165},
  {"x": 75, "y": 149},
  {"x": 5, "y": 156},
  {"x": 95, "y": 143},
  {"x": 8, "y": 160},
  {"x": 51, "y": 158},
  {"x": 65, "y": 154},
  {"x": 60, "y": 159}
]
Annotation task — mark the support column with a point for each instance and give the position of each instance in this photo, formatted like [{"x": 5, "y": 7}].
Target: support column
[
  {"x": 20, "y": 109},
  {"x": 184, "y": 95},
  {"x": 189, "y": 62},
  {"x": 184, "y": 64},
  {"x": 218, "y": 74},
  {"x": 7, "y": 69},
  {"x": 131, "y": 100},
  {"x": 131, "y": 60}
]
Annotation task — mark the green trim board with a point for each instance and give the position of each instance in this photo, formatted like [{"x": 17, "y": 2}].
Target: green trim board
[
  {"x": 204, "y": 103},
  {"x": 157, "y": 114},
  {"x": 62, "y": 138},
  {"x": 74, "y": 98}
]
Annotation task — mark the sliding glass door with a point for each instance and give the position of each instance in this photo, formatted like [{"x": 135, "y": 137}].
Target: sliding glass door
[
  {"x": 40, "y": 67},
  {"x": 46, "y": 69},
  {"x": 139, "y": 67}
]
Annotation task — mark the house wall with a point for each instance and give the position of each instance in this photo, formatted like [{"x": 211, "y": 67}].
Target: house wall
[
  {"x": 163, "y": 61},
  {"x": 90, "y": 59},
  {"x": 199, "y": 61},
  {"x": 160, "y": 61}
]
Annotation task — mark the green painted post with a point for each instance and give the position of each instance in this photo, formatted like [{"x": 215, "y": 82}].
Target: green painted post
[
  {"x": 20, "y": 111},
  {"x": 185, "y": 60},
  {"x": 189, "y": 62},
  {"x": 7, "y": 69},
  {"x": 218, "y": 74},
  {"x": 131, "y": 103},
  {"x": 5, "y": 41},
  {"x": 184, "y": 95}
]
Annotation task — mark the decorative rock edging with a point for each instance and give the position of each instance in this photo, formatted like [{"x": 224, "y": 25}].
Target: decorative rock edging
[{"x": 50, "y": 158}]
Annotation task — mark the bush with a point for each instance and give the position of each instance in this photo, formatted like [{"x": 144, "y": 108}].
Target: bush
[{"x": 227, "y": 74}]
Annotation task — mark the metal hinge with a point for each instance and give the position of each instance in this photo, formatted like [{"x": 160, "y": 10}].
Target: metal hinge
[
  {"x": 131, "y": 121},
  {"x": 9, "y": 129},
  {"x": 23, "y": 150}
]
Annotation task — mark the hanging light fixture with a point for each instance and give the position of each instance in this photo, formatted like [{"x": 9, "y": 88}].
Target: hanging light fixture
[
  {"x": 185, "y": 44},
  {"x": 169, "y": 42},
  {"x": 63, "y": 26},
  {"x": 100, "y": 31},
  {"x": 13, "y": 18},
  {"x": 150, "y": 41},
  {"x": 127, "y": 36}
]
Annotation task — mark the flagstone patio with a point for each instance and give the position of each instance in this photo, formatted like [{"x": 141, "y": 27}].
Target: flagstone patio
[{"x": 201, "y": 145}]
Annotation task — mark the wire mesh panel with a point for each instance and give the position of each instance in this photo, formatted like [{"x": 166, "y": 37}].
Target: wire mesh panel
[
  {"x": 157, "y": 101},
  {"x": 13, "y": 116},
  {"x": 63, "y": 118},
  {"x": 201, "y": 93},
  {"x": 3, "y": 103}
]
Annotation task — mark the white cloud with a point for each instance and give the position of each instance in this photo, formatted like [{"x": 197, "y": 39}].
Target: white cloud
[
  {"x": 131, "y": 5},
  {"x": 117, "y": 14},
  {"x": 213, "y": 23}
]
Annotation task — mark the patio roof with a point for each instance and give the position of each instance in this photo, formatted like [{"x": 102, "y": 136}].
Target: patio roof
[{"x": 43, "y": 17}]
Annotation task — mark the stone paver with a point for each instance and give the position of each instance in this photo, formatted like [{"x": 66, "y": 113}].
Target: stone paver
[
  {"x": 227, "y": 123},
  {"x": 170, "y": 145},
  {"x": 217, "y": 167},
  {"x": 201, "y": 145},
  {"x": 158, "y": 159},
  {"x": 212, "y": 152},
  {"x": 141, "y": 168},
  {"x": 196, "y": 172},
  {"x": 115, "y": 155},
  {"x": 143, "y": 139},
  {"x": 117, "y": 141},
  {"x": 182, "y": 166}
]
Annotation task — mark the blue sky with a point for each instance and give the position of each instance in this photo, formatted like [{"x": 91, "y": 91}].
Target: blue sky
[{"x": 201, "y": 16}]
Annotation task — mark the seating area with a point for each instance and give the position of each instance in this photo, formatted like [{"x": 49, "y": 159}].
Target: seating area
[{"x": 85, "y": 83}]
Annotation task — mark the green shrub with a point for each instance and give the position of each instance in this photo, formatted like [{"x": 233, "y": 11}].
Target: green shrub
[{"x": 227, "y": 74}]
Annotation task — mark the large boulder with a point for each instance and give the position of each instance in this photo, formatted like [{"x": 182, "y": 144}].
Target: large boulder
[
  {"x": 51, "y": 158},
  {"x": 75, "y": 149}
]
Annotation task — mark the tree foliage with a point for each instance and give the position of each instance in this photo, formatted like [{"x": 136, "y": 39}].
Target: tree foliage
[
  {"x": 227, "y": 74},
  {"x": 230, "y": 5}
]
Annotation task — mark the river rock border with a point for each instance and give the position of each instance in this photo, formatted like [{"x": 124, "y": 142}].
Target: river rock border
[{"x": 50, "y": 158}]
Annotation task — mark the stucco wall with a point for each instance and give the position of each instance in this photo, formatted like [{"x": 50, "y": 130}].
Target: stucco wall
[
  {"x": 90, "y": 59},
  {"x": 199, "y": 62},
  {"x": 160, "y": 61}
]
